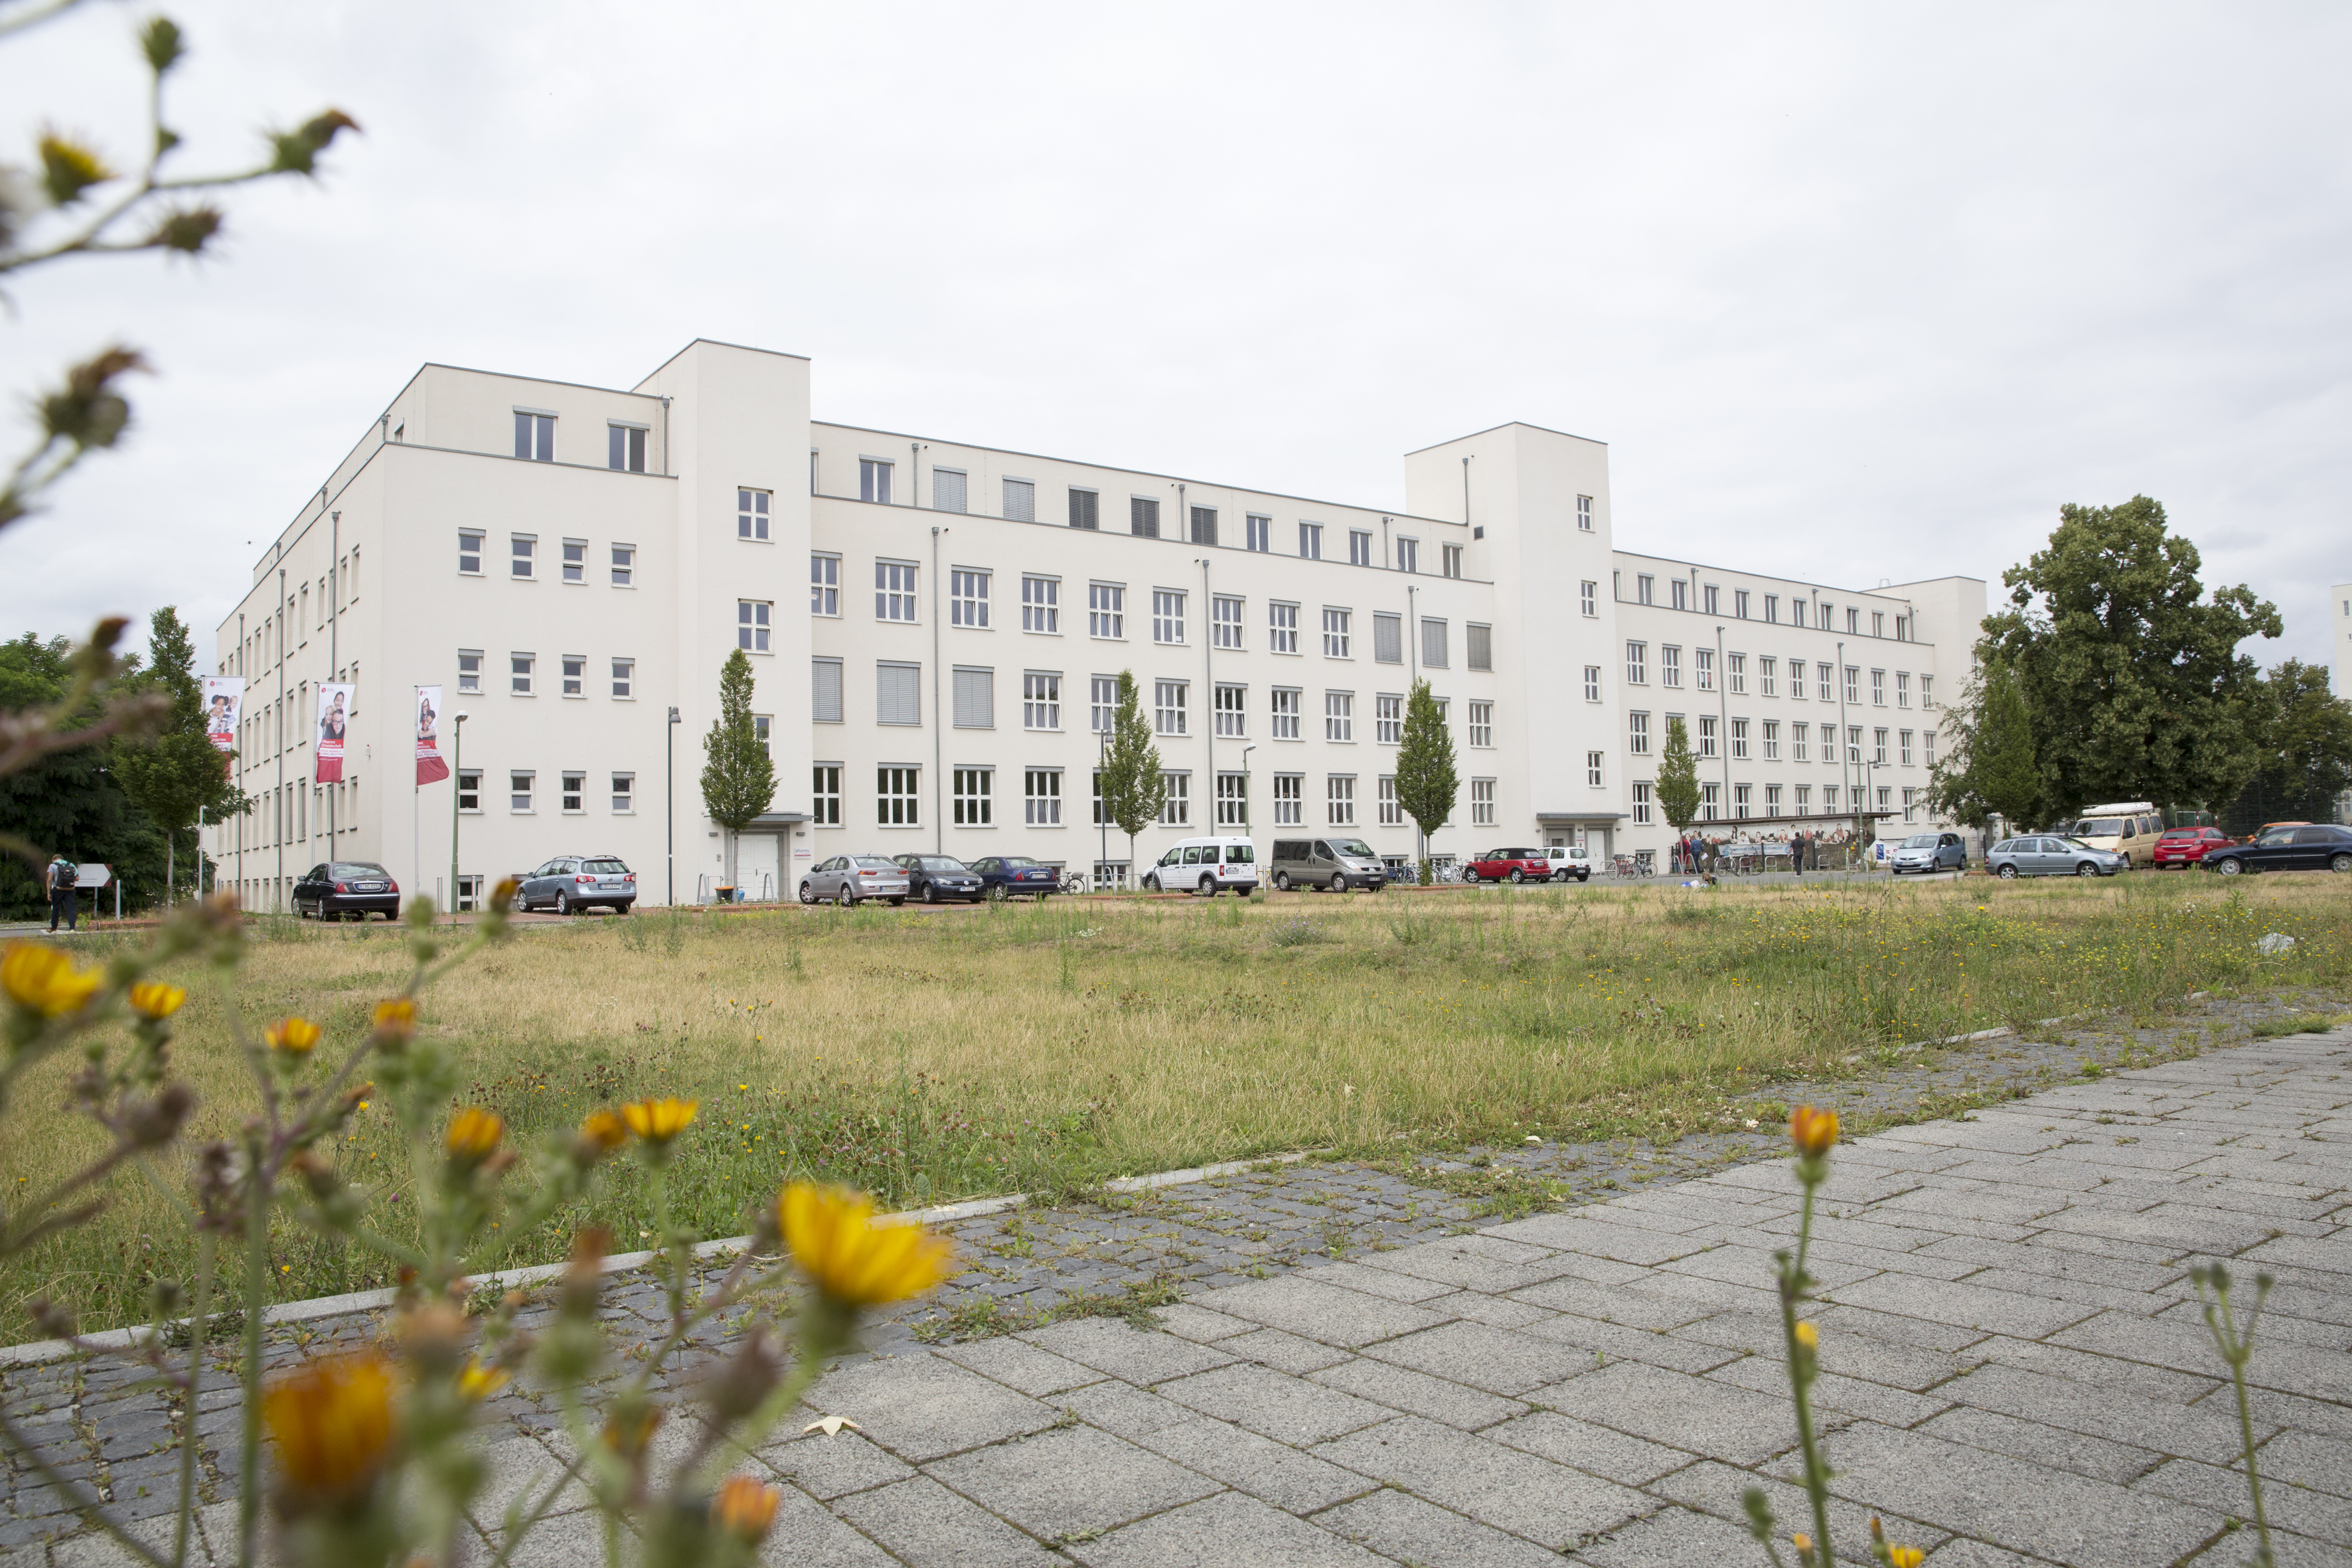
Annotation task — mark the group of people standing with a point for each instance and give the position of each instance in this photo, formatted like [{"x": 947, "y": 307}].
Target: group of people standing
[{"x": 1692, "y": 853}]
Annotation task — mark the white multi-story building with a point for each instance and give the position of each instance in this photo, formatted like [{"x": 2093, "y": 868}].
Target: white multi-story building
[{"x": 936, "y": 630}]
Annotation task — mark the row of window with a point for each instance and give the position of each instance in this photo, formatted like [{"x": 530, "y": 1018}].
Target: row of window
[
  {"x": 1708, "y": 742},
  {"x": 523, "y": 558},
  {"x": 1744, "y": 801},
  {"x": 972, "y": 798},
  {"x": 534, "y": 440},
  {"x": 523, "y": 678},
  {"x": 523, "y": 794},
  {"x": 1768, "y": 676},
  {"x": 1710, "y": 599}
]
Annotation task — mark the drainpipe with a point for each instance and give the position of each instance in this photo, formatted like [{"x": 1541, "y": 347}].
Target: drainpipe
[
  {"x": 1845, "y": 760},
  {"x": 915, "y": 474},
  {"x": 939, "y": 719},
  {"x": 334, "y": 624},
  {"x": 1723, "y": 712},
  {"x": 1465, "y": 492},
  {"x": 1387, "y": 559},
  {"x": 241, "y": 764},
  {"x": 665, "y": 467},
  {"x": 1209, "y": 686},
  {"x": 281, "y": 737}
]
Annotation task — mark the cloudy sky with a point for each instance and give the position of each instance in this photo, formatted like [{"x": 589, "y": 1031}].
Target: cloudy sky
[{"x": 1854, "y": 292}]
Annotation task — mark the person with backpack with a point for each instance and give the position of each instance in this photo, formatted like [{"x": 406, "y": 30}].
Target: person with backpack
[{"x": 64, "y": 904}]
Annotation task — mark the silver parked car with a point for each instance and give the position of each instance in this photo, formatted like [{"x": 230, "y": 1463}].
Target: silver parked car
[
  {"x": 2048, "y": 855},
  {"x": 1931, "y": 852},
  {"x": 849, "y": 880},
  {"x": 571, "y": 883}
]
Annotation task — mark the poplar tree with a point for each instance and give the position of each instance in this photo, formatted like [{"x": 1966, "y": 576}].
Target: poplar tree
[
  {"x": 739, "y": 777},
  {"x": 1677, "y": 782},
  {"x": 1426, "y": 784},
  {"x": 1133, "y": 788},
  {"x": 174, "y": 773}
]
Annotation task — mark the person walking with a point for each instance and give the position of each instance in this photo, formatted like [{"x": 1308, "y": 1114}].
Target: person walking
[
  {"x": 63, "y": 903},
  {"x": 1797, "y": 855}
]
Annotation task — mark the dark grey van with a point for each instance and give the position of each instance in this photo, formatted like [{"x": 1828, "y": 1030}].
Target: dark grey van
[{"x": 1338, "y": 864}]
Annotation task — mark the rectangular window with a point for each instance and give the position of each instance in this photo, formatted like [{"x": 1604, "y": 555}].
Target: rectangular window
[
  {"x": 1388, "y": 721},
  {"x": 1286, "y": 712},
  {"x": 1804, "y": 807},
  {"x": 1086, "y": 510},
  {"x": 1592, "y": 768},
  {"x": 948, "y": 490},
  {"x": 469, "y": 551},
  {"x": 575, "y": 676},
  {"x": 1797, "y": 733},
  {"x": 1143, "y": 517},
  {"x": 1878, "y": 623},
  {"x": 1852, "y": 686},
  {"x": 1703, "y": 668},
  {"x": 972, "y": 796},
  {"x": 1387, "y": 638},
  {"x": 1587, "y": 598},
  {"x": 1739, "y": 604},
  {"x": 469, "y": 671},
  {"x": 1771, "y": 739},
  {"x": 1339, "y": 799},
  {"x": 1105, "y": 611},
  {"x": 1878, "y": 747},
  {"x": 1020, "y": 500},
  {"x": 1176, "y": 807},
  {"x": 1391, "y": 810},
  {"x": 1041, "y": 605},
  {"x": 1854, "y": 743},
  {"x": 1642, "y": 805},
  {"x": 522, "y": 559},
  {"x": 1257, "y": 532},
  {"x": 1903, "y": 689},
  {"x": 1225, "y": 620},
  {"x": 1167, "y": 616},
  {"x": 1771, "y": 800},
  {"x": 898, "y": 693},
  {"x": 751, "y": 617},
  {"x": 1903, "y": 754},
  {"x": 897, "y": 800},
  {"x": 576, "y": 792},
  {"x": 521, "y": 789},
  {"x": 1104, "y": 705},
  {"x": 1334, "y": 633},
  {"x": 624, "y": 677},
  {"x": 894, "y": 591},
  {"x": 1450, "y": 556},
  {"x": 974, "y": 694},
  {"x": 1709, "y": 741},
  {"x": 1311, "y": 541},
  {"x": 1481, "y": 802},
  {"x": 1771, "y": 609},
  {"x": 521, "y": 667},
  {"x": 1739, "y": 800},
  {"x": 1670, "y": 665},
  {"x": 1928, "y": 741},
  {"x": 1040, "y": 797},
  {"x": 1879, "y": 689},
  {"x": 1910, "y": 806},
  {"x": 1584, "y": 513},
  {"x": 967, "y": 598},
  {"x": 1360, "y": 547},
  {"x": 825, "y": 584},
  {"x": 1825, "y": 675},
  {"x": 1681, "y": 591},
  {"x": 1340, "y": 716},
  {"x": 825, "y": 794},
  {"x": 1829, "y": 795},
  {"x": 1231, "y": 715},
  {"x": 1734, "y": 673},
  {"x": 1281, "y": 628},
  {"x": 1433, "y": 643},
  {"x": 874, "y": 481},
  {"x": 1926, "y": 691},
  {"x": 1740, "y": 740},
  {"x": 1100, "y": 818},
  {"x": 1637, "y": 735},
  {"x": 1768, "y": 676},
  {"x": 1592, "y": 683},
  {"x": 1041, "y": 701},
  {"x": 1645, "y": 588},
  {"x": 1482, "y": 723},
  {"x": 751, "y": 515},
  {"x": 1204, "y": 525},
  {"x": 624, "y": 565},
  {"x": 1852, "y": 621},
  {"x": 535, "y": 436},
  {"x": 1289, "y": 799},
  {"x": 1408, "y": 554},
  {"x": 1637, "y": 669},
  {"x": 1712, "y": 597},
  {"x": 469, "y": 790},
  {"x": 1710, "y": 802},
  {"x": 1824, "y": 615},
  {"x": 825, "y": 698},
  {"x": 1168, "y": 700}
]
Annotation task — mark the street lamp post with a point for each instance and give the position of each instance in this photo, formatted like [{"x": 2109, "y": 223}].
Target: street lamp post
[
  {"x": 1102, "y": 811},
  {"x": 669, "y": 798},
  {"x": 1245, "y": 789},
  {"x": 458, "y": 767}
]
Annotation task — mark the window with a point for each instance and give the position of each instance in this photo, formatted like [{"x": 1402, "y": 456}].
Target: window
[
  {"x": 1910, "y": 806},
  {"x": 825, "y": 702},
  {"x": 874, "y": 481},
  {"x": 898, "y": 692},
  {"x": 1100, "y": 818},
  {"x": 1482, "y": 723},
  {"x": 535, "y": 436},
  {"x": 1734, "y": 673},
  {"x": 894, "y": 591},
  {"x": 1481, "y": 802},
  {"x": 1681, "y": 591},
  {"x": 897, "y": 800},
  {"x": 1852, "y": 686},
  {"x": 1340, "y": 716},
  {"x": 1710, "y": 802},
  {"x": 1232, "y": 716},
  {"x": 1289, "y": 799},
  {"x": 973, "y": 692},
  {"x": 1885, "y": 796},
  {"x": 1903, "y": 689},
  {"x": 1360, "y": 547},
  {"x": 751, "y": 617},
  {"x": 1740, "y": 740},
  {"x": 1592, "y": 767},
  {"x": 1433, "y": 643},
  {"x": 1390, "y": 810},
  {"x": 1902, "y": 628},
  {"x": 1854, "y": 743},
  {"x": 1408, "y": 554},
  {"x": 1168, "y": 706},
  {"x": 1339, "y": 799},
  {"x": 825, "y": 584},
  {"x": 1387, "y": 638},
  {"x": 1670, "y": 665},
  {"x": 1041, "y": 605},
  {"x": 1926, "y": 691},
  {"x": 1825, "y": 615},
  {"x": 1225, "y": 620},
  {"x": 1797, "y": 733},
  {"x": 1450, "y": 559},
  {"x": 523, "y": 549},
  {"x": 1771, "y": 609},
  {"x": 1767, "y": 676},
  {"x": 1703, "y": 668},
  {"x": 1711, "y": 598},
  {"x": 1709, "y": 742},
  {"x": 1167, "y": 616},
  {"x": 1903, "y": 754},
  {"x": 576, "y": 792},
  {"x": 624, "y": 794},
  {"x": 967, "y": 598},
  {"x": 1204, "y": 525},
  {"x": 1878, "y": 623},
  {"x": 1020, "y": 500},
  {"x": 1771, "y": 739},
  {"x": 1310, "y": 541},
  {"x": 625, "y": 563},
  {"x": 1928, "y": 741},
  {"x": 1739, "y": 604},
  {"x": 1829, "y": 792},
  {"x": 1040, "y": 797},
  {"x": 948, "y": 490},
  {"x": 971, "y": 799},
  {"x": 1592, "y": 683},
  {"x": 825, "y": 794},
  {"x": 1286, "y": 712},
  {"x": 575, "y": 676},
  {"x": 469, "y": 790},
  {"x": 1388, "y": 721},
  {"x": 1281, "y": 628},
  {"x": 1105, "y": 703},
  {"x": 1587, "y": 598},
  {"x": 519, "y": 667},
  {"x": 751, "y": 515},
  {"x": 1584, "y": 513},
  {"x": 520, "y": 788},
  {"x": 469, "y": 551},
  {"x": 1105, "y": 610},
  {"x": 1804, "y": 807},
  {"x": 1334, "y": 633},
  {"x": 469, "y": 671},
  {"x": 624, "y": 677},
  {"x": 1825, "y": 676},
  {"x": 1878, "y": 747},
  {"x": 1637, "y": 737},
  {"x": 1637, "y": 669},
  {"x": 1852, "y": 621},
  {"x": 1642, "y": 805},
  {"x": 1879, "y": 689},
  {"x": 1257, "y": 534},
  {"x": 1041, "y": 701},
  {"x": 1644, "y": 588},
  {"x": 1739, "y": 800},
  {"x": 1771, "y": 800},
  {"x": 1176, "y": 804}
]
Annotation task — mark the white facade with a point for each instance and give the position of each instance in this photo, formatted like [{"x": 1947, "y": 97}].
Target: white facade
[
  {"x": 930, "y": 624},
  {"x": 2339, "y": 640}
]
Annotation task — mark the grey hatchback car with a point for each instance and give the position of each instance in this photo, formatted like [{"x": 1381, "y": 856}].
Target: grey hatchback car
[
  {"x": 2048, "y": 855},
  {"x": 1931, "y": 852},
  {"x": 850, "y": 880},
  {"x": 570, "y": 883}
]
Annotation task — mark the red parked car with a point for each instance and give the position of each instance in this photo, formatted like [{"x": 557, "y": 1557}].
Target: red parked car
[
  {"x": 1508, "y": 865},
  {"x": 2186, "y": 848}
]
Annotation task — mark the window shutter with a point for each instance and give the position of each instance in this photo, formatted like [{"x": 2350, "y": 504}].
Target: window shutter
[
  {"x": 1387, "y": 638},
  {"x": 1481, "y": 647},
  {"x": 898, "y": 693},
  {"x": 947, "y": 490},
  {"x": 1433, "y": 644},
  {"x": 975, "y": 699},
  {"x": 1020, "y": 500},
  {"x": 825, "y": 699}
]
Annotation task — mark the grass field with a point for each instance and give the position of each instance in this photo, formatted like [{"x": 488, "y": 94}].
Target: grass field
[{"x": 932, "y": 1057}]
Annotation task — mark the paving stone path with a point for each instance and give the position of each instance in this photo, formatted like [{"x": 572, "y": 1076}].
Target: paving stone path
[{"x": 2015, "y": 1371}]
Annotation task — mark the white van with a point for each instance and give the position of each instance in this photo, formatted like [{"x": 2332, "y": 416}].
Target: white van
[
  {"x": 1568, "y": 861},
  {"x": 1207, "y": 866},
  {"x": 2129, "y": 829}
]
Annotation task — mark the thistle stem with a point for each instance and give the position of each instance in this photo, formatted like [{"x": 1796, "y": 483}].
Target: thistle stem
[{"x": 256, "y": 1283}]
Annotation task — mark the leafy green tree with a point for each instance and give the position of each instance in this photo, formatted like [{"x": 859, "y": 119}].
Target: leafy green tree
[
  {"x": 1987, "y": 766},
  {"x": 1133, "y": 788},
  {"x": 174, "y": 772},
  {"x": 739, "y": 777},
  {"x": 1426, "y": 783},
  {"x": 2301, "y": 738},
  {"x": 65, "y": 797},
  {"x": 2130, "y": 672},
  {"x": 1677, "y": 782}
]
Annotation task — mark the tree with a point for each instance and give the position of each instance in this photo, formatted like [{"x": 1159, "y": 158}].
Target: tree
[
  {"x": 1133, "y": 788},
  {"x": 1989, "y": 765},
  {"x": 2131, "y": 674},
  {"x": 2302, "y": 743},
  {"x": 739, "y": 777},
  {"x": 65, "y": 798},
  {"x": 1426, "y": 784},
  {"x": 177, "y": 772},
  {"x": 1678, "y": 781}
]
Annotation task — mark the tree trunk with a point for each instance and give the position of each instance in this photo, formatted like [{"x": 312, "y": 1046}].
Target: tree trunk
[
  {"x": 171, "y": 871},
  {"x": 726, "y": 838}
]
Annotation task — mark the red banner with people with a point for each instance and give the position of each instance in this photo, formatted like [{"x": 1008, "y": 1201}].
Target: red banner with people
[{"x": 430, "y": 768}]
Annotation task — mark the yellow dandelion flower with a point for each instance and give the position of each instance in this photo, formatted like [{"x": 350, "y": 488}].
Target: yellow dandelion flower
[
  {"x": 293, "y": 1036},
  {"x": 474, "y": 1135},
  {"x": 332, "y": 1420},
  {"x": 658, "y": 1120},
  {"x": 1809, "y": 1336},
  {"x": 745, "y": 1508},
  {"x": 478, "y": 1382},
  {"x": 1813, "y": 1132},
  {"x": 396, "y": 1018},
  {"x": 833, "y": 1236},
  {"x": 44, "y": 980},
  {"x": 153, "y": 999},
  {"x": 604, "y": 1131}
]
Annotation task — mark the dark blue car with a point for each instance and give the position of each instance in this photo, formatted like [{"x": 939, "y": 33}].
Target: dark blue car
[
  {"x": 1003, "y": 876},
  {"x": 935, "y": 878}
]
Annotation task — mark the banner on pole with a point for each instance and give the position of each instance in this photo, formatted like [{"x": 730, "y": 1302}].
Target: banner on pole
[
  {"x": 224, "y": 701},
  {"x": 430, "y": 768},
  {"x": 334, "y": 718}
]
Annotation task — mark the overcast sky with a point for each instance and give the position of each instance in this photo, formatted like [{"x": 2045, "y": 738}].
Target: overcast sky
[{"x": 1853, "y": 294}]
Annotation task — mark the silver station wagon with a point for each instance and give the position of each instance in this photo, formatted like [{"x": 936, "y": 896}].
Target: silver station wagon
[
  {"x": 2049, "y": 855},
  {"x": 850, "y": 880}
]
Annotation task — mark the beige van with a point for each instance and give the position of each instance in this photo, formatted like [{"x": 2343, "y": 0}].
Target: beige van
[{"x": 2130, "y": 829}]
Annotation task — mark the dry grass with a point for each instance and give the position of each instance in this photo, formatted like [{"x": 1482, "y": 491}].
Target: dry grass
[{"x": 932, "y": 1057}]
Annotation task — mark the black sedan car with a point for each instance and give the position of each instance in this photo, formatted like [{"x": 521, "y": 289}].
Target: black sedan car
[
  {"x": 2306, "y": 848},
  {"x": 343, "y": 888},
  {"x": 1003, "y": 876},
  {"x": 570, "y": 883},
  {"x": 936, "y": 878}
]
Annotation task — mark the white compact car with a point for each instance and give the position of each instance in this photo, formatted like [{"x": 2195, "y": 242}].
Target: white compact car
[
  {"x": 1205, "y": 866},
  {"x": 1568, "y": 861}
]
